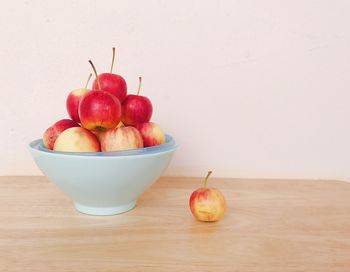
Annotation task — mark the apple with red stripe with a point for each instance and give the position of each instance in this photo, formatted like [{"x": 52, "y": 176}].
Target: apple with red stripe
[
  {"x": 121, "y": 138},
  {"x": 207, "y": 204},
  {"x": 112, "y": 83},
  {"x": 99, "y": 110},
  {"x": 73, "y": 101},
  {"x": 51, "y": 134},
  {"x": 152, "y": 134},
  {"x": 136, "y": 108}
]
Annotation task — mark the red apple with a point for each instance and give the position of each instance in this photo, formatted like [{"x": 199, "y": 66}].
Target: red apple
[
  {"x": 112, "y": 83},
  {"x": 152, "y": 134},
  {"x": 122, "y": 138},
  {"x": 136, "y": 108},
  {"x": 99, "y": 110},
  {"x": 207, "y": 204},
  {"x": 77, "y": 139},
  {"x": 73, "y": 101},
  {"x": 51, "y": 134}
]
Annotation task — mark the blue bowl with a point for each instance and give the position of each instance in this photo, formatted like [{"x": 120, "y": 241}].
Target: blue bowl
[{"x": 104, "y": 183}]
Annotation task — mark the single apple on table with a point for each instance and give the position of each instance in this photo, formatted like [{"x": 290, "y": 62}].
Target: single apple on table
[
  {"x": 207, "y": 204},
  {"x": 122, "y": 138},
  {"x": 136, "y": 108},
  {"x": 51, "y": 134},
  {"x": 152, "y": 134},
  {"x": 73, "y": 101},
  {"x": 77, "y": 139},
  {"x": 112, "y": 83},
  {"x": 99, "y": 110}
]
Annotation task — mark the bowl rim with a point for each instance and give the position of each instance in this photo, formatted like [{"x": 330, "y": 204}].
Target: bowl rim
[{"x": 169, "y": 146}]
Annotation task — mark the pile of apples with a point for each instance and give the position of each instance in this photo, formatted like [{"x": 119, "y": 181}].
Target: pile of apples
[{"x": 105, "y": 118}]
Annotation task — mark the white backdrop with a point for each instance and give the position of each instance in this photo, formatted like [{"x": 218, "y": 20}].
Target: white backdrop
[{"x": 248, "y": 88}]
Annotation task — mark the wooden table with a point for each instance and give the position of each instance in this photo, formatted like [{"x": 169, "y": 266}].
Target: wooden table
[{"x": 270, "y": 225}]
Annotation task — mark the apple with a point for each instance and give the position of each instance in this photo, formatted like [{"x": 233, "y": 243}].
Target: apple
[
  {"x": 207, "y": 204},
  {"x": 136, "y": 108},
  {"x": 99, "y": 110},
  {"x": 73, "y": 101},
  {"x": 51, "y": 134},
  {"x": 77, "y": 139},
  {"x": 122, "y": 138},
  {"x": 152, "y": 134},
  {"x": 112, "y": 83}
]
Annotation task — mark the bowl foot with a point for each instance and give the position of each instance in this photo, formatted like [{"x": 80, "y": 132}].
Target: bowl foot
[{"x": 104, "y": 210}]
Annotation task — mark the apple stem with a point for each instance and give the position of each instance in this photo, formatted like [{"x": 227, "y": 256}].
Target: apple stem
[
  {"x": 93, "y": 68},
  {"x": 113, "y": 57},
  {"x": 88, "y": 80},
  {"x": 206, "y": 179},
  {"x": 140, "y": 81}
]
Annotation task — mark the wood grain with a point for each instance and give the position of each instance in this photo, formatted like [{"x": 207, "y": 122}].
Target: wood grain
[{"x": 270, "y": 225}]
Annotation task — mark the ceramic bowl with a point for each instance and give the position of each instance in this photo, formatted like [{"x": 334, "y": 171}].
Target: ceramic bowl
[{"x": 104, "y": 183}]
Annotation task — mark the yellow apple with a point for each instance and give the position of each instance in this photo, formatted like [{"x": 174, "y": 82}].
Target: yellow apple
[{"x": 77, "y": 139}]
